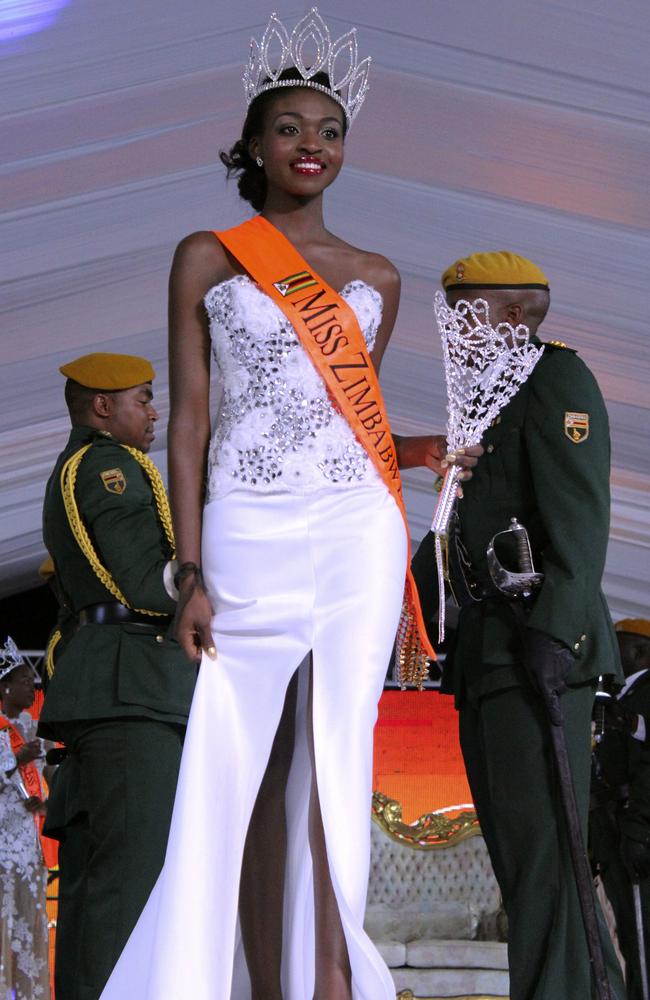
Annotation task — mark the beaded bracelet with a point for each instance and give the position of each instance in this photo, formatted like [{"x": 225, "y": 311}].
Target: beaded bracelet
[{"x": 185, "y": 570}]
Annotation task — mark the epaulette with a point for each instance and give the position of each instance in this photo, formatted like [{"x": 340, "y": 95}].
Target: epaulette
[
  {"x": 103, "y": 437},
  {"x": 558, "y": 345}
]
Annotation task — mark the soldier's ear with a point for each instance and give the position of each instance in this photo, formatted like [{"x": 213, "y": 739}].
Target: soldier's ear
[
  {"x": 514, "y": 313},
  {"x": 103, "y": 404}
]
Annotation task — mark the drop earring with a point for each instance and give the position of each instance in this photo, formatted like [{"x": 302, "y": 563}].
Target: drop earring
[{"x": 259, "y": 161}]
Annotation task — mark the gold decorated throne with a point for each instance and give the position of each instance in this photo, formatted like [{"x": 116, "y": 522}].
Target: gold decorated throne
[{"x": 434, "y": 908}]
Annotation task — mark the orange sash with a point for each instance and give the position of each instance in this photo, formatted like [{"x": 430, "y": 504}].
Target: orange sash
[
  {"x": 34, "y": 787},
  {"x": 329, "y": 331}
]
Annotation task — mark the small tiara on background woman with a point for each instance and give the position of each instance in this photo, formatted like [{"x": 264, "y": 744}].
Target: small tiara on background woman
[
  {"x": 348, "y": 84},
  {"x": 10, "y": 657}
]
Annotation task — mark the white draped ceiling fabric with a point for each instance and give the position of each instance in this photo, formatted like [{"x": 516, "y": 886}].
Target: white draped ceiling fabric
[{"x": 519, "y": 124}]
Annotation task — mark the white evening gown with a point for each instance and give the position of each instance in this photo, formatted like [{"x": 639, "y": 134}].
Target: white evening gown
[{"x": 304, "y": 550}]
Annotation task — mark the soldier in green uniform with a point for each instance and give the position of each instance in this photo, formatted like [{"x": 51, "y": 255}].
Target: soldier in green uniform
[
  {"x": 121, "y": 688},
  {"x": 620, "y": 815},
  {"x": 546, "y": 463}
]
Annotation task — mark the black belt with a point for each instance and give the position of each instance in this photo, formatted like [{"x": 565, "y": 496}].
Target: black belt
[{"x": 114, "y": 613}]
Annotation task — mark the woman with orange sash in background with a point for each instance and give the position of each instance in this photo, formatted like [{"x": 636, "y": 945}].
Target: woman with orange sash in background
[
  {"x": 24, "y": 854},
  {"x": 293, "y": 556}
]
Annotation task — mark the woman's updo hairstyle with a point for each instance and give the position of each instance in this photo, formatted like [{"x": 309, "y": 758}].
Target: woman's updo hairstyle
[{"x": 251, "y": 179}]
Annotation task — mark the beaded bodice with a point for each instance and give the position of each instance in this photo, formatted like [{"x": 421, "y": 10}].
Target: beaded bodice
[{"x": 276, "y": 428}]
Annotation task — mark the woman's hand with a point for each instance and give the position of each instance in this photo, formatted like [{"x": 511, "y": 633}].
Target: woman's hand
[
  {"x": 35, "y": 805},
  {"x": 192, "y": 624},
  {"x": 29, "y": 752},
  {"x": 430, "y": 450}
]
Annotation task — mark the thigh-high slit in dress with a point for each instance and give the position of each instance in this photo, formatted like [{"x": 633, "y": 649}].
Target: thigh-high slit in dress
[{"x": 304, "y": 557}]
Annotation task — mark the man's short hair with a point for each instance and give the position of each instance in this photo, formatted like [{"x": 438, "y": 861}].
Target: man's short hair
[{"x": 79, "y": 400}]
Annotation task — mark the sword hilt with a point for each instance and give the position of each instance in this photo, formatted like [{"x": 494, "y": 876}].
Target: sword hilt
[
  {"x": 525, "y": 581},
  {"x": 524, "y": 555}
]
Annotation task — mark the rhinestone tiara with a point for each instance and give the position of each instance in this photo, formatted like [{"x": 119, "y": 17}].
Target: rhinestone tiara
[
  {"x": 348, "y": 84},
  {"x": 10, "y": 657}
]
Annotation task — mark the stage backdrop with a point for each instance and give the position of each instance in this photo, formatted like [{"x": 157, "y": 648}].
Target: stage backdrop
[{"x": 521, "y": 124}]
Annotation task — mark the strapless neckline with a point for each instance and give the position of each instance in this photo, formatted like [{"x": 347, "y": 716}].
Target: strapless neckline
[{"x": 246, "y": 279}]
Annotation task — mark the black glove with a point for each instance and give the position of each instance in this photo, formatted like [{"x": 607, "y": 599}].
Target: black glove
[
  {"x": 619, "y": 718},
  {"x": 636, "y": 858},
  {"x": 547, "y": 662}
]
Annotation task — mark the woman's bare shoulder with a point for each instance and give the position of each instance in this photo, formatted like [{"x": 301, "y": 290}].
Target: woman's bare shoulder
[
  {"x": 373, "y": 268},
  {"x": 202, "y": 256},
  {"x": 382, "y": 269}
]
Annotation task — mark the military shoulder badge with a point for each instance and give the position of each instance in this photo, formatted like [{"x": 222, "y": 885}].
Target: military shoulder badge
[
  {"x": 558, "y": 345},
  {"x": 576, "y": 426},
  {"x": 114, "y": 480}
]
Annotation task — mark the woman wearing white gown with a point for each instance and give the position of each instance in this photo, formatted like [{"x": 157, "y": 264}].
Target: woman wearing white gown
[{"x": 303, "y": 556}]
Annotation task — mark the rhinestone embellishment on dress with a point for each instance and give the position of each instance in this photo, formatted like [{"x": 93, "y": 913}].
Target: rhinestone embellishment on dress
[{"x": 276, "y": 426}]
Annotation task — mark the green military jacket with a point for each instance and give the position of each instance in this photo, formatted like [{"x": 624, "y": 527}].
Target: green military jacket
[
  {"x": 624, "y": 767},
  {"x": 546, "y": 462},
  {"x": 108, "y": 671}
]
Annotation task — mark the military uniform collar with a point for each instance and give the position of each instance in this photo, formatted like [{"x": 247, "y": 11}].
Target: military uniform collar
[{"x": 80, "y": 435}]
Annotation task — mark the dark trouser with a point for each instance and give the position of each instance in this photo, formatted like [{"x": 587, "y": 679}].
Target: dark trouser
[
  {"x": 73, "y": 864},
  {"x": 506, "y": 746},
  {"x": 114, "y": 850},
  {"x": 605, "y": 844}
]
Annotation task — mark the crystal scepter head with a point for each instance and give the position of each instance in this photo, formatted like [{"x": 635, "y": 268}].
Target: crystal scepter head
[{"x": 485, "y": 366}]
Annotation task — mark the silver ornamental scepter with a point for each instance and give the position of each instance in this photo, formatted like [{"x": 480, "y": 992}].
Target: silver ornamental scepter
[{"x": 484, "y": 367}]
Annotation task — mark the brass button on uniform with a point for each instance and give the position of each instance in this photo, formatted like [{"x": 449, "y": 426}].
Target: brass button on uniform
[
  {"x": 160, "y": 638},
  {"x": 577, "y": 645},
  {"x": 582, "y": 638},
  {"x": 490, "y": 449}
]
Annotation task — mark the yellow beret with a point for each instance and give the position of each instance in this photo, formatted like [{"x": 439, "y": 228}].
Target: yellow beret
[
  {"x": 637, "y": 626},
  {"x": 497, "y": 269},
  {"x": 46, "y": 569},
  {"x": 109, "y": 371}
]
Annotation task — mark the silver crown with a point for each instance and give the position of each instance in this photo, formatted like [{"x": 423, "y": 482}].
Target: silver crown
[
  {"x": 10, "y": 657},
  {"x": 348, "y": 82}
]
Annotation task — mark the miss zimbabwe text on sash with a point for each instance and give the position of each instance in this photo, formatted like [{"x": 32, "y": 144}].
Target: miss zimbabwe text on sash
[{"x": 329, "y": 332}]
